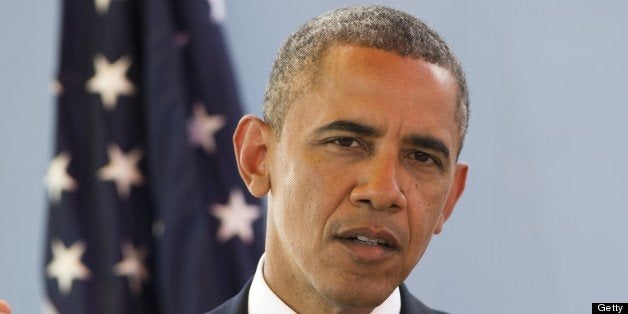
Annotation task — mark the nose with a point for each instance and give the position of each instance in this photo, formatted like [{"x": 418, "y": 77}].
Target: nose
[{"x": 378, "y": 185}]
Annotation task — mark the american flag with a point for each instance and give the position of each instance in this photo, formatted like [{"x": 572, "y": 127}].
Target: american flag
[{"x": 146, "y": 211}]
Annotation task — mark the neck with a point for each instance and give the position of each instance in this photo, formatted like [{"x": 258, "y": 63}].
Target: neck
[{"x": 291, "y": 285}]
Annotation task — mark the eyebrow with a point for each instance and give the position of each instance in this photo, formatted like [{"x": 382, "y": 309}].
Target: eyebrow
[
  {"x": 429, "y": 142},
  {"x": 350, "y": 126}
]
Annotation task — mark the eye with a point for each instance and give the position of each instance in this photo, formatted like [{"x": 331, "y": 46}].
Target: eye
[
  {"x": 346, "y": 142},
  {"x": 423, "y": 157}
]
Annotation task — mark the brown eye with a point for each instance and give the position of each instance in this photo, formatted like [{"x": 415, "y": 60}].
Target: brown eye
[
  {"x": 346, "y": 142},
  {"x": 423, "y": 157}
]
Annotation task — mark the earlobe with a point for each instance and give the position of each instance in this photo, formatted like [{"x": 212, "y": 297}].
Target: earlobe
[
  {"x": 251, "y": 146},
  {"x": 457, "y": 188}
]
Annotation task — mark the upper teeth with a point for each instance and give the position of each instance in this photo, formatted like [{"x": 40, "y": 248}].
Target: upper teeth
[{"x": 374, "y": 241}]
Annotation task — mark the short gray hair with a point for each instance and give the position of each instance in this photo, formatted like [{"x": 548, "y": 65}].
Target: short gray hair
[{"x": 295, "y": 70}]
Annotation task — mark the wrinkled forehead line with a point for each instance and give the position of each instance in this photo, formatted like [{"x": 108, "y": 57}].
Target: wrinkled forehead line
[
  {"x": 312, "y": 76},
  {"x": 308, "y": 79},
  {"x": 430, "y": 71},
  {"x": 434, "y": 72}
]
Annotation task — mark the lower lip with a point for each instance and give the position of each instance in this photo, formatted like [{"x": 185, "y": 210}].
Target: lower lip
[{"x": 367, "y": 253}]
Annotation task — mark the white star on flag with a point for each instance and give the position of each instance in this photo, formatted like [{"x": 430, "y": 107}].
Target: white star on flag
[
  {"x": 203, "y": 127},
  {"x": 57, "y": 178},
  {"x": 218, "y": 11},
  {"x": 102, "y": 6},
  {"x": 132, "y": 266},
  {"x": 236, "y": 218},
  {"x": 110, "y": 80},
  {"x": 66, "y": 265},
  {"x": 122, "y": 169}
]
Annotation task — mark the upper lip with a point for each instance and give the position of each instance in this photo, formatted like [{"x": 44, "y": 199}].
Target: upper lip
[{"x": 372, "y": 233}]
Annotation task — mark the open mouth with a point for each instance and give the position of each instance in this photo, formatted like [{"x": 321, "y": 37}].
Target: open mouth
[
  {"x": 369, "y": 248},
  {"x": 370, "y": 243},
  {"x": 365, "y": 240}
]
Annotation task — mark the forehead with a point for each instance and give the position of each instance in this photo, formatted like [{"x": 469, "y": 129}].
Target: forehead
[{"x": 383, "y": 88}]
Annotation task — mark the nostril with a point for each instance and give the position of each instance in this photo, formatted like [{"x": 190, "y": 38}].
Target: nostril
[
  {"x": 379, "y": 205},
  {"x": 378, "y": 192}
]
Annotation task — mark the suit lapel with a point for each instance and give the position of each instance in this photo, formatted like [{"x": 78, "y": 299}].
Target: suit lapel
[
  {"x": 412, "y": 305},
  {"x": 239, "y": 304}
]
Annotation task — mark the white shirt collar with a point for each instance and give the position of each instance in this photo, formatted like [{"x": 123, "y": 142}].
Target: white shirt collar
[{"x": 262, "y": 300}]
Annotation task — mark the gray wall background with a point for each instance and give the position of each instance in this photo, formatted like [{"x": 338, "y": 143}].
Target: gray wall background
[{"x": 542, "y": 227}]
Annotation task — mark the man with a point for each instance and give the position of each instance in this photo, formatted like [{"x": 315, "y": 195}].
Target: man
[{"x": 364, "y": 117}]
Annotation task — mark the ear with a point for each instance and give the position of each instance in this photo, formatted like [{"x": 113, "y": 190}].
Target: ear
[
  {"x": 250, "y": 142},
  {"x": 460, "y": 180}
]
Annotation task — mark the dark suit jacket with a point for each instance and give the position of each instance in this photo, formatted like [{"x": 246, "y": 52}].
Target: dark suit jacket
[{"x": 240, "y": 303}]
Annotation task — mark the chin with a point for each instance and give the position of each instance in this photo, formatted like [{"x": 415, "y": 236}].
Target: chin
[{"x": 358, "y": 294}]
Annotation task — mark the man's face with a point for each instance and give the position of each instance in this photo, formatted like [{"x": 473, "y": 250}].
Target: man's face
[{"x": 363, "y": 174}]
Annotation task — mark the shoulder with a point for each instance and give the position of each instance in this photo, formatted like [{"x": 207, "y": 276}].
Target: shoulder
[
  {"x": 239, "y": 304},
  {"x": 410, "y": 304}
]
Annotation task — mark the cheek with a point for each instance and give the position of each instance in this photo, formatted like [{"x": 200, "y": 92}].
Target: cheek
[
  {"x": 428, "y": 203},
  {"x": 431, "y": 194},
  {"x": 301, "y": 211}
]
